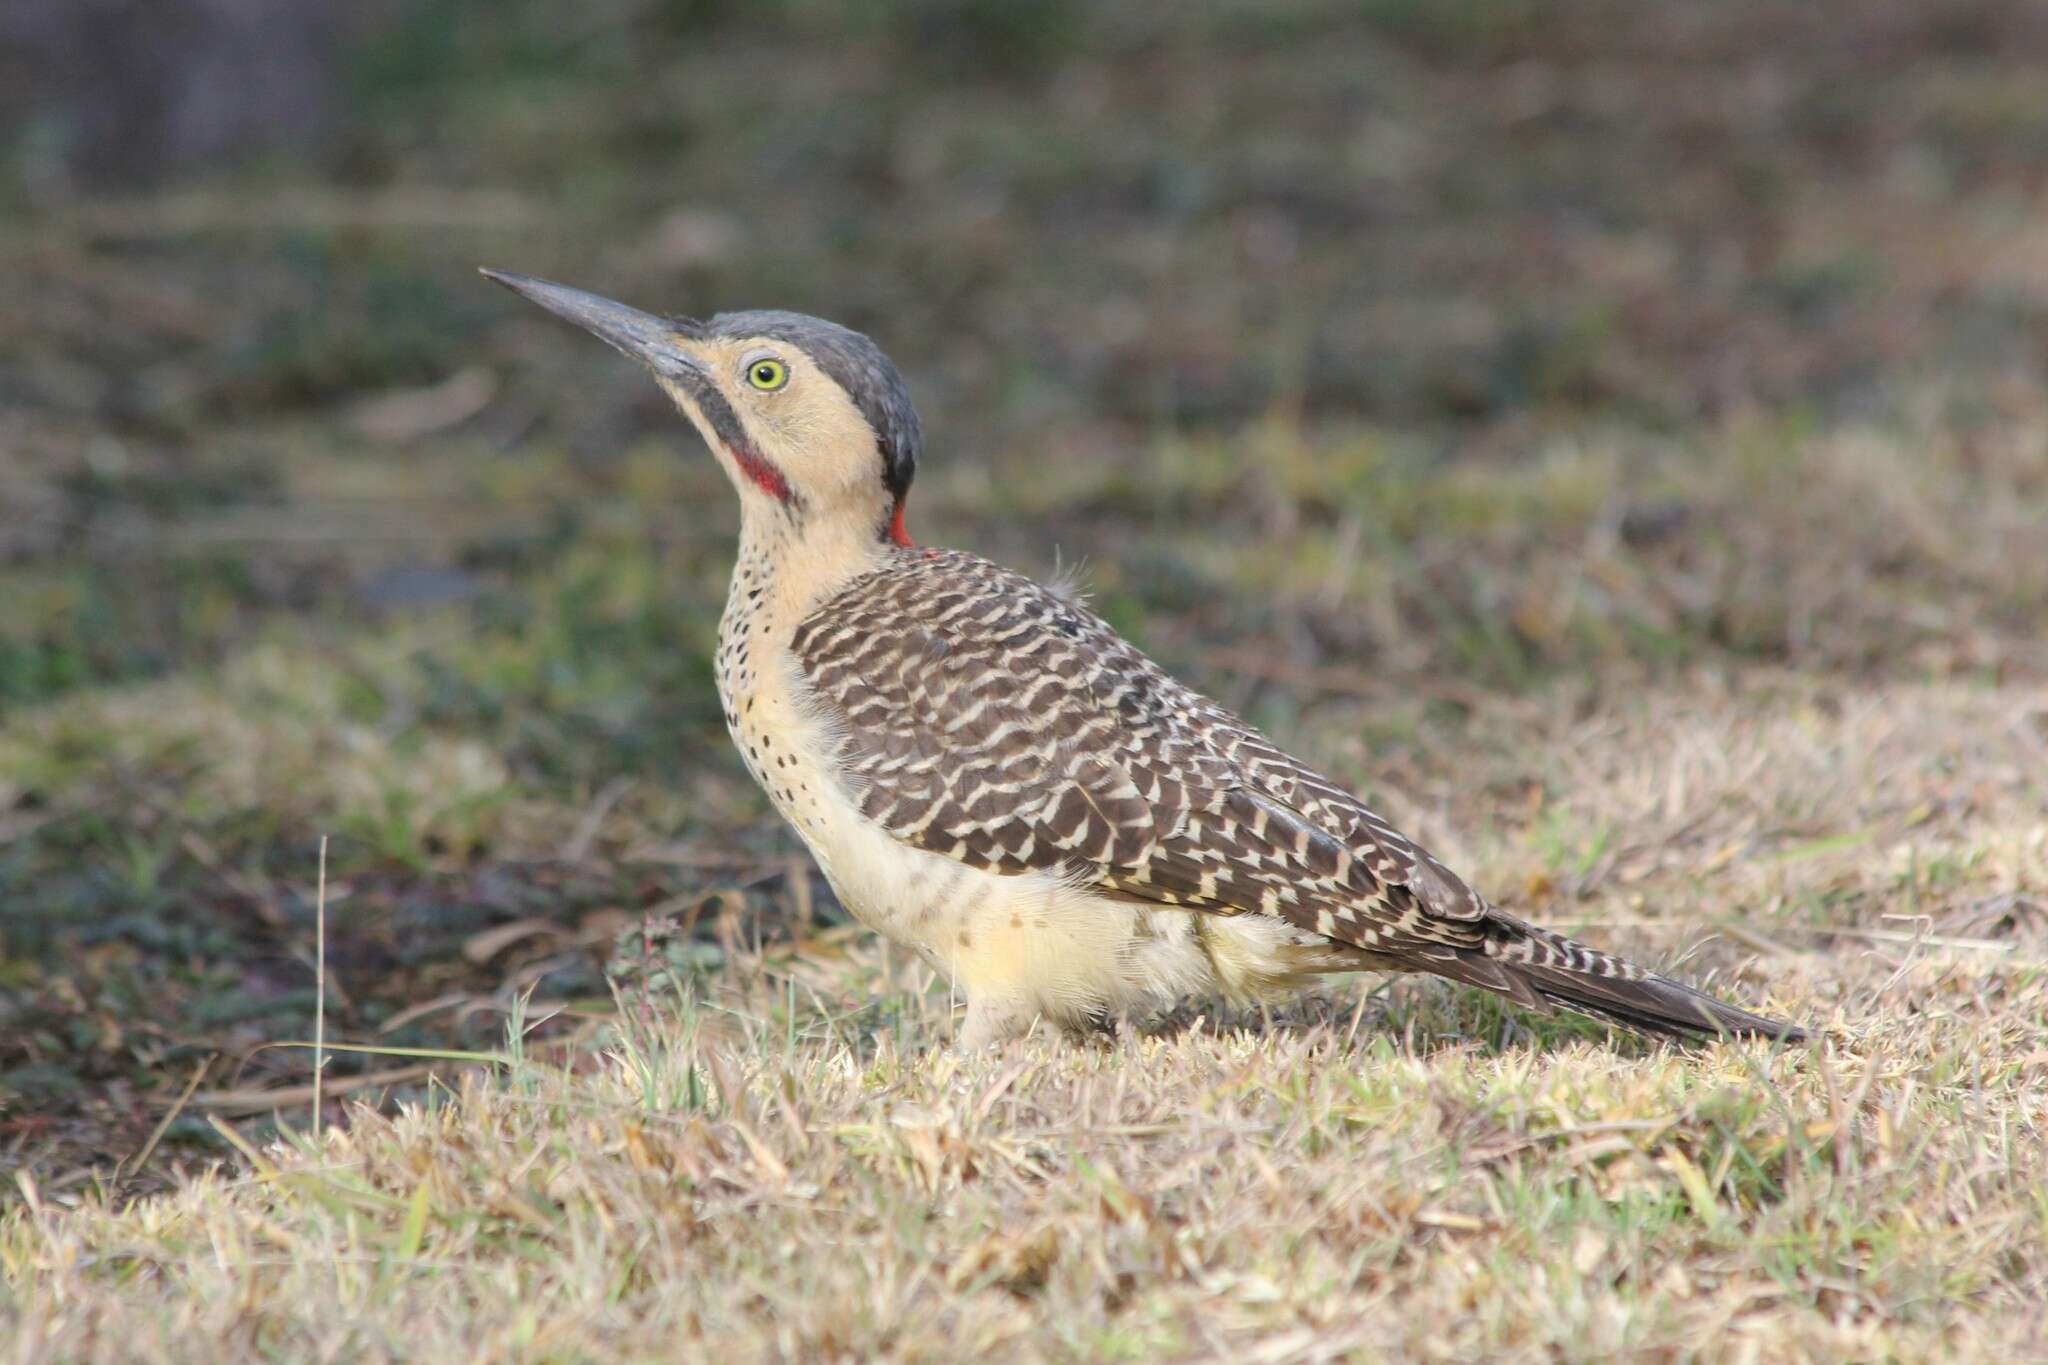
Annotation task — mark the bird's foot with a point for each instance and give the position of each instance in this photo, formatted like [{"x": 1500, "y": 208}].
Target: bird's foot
[{"x": 994, "y": 1022}]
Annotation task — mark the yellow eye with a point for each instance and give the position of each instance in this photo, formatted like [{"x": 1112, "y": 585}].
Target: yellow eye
[{"x": 767, "y": 375}]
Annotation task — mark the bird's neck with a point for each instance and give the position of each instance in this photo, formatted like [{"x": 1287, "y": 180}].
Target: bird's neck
[{"x": 788, "y": 565}]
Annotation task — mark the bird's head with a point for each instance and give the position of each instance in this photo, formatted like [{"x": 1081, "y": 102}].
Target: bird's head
[{"x": 809, "y": 419}]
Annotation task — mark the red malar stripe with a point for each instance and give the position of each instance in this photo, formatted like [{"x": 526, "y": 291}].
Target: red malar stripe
[
  {"x": 762, "y": 471},
  {"x": 898, "y": 532}
]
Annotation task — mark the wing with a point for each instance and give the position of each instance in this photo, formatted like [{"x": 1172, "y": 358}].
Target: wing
[{"x": 988, "y": 719}]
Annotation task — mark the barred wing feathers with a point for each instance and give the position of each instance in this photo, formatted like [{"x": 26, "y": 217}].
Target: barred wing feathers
[{"x": 995, "y": 722}]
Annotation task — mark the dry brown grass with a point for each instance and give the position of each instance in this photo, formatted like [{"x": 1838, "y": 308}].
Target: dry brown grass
[{"x": 785, "y": 1161}]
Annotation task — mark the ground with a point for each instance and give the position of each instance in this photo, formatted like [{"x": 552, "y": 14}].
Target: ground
[{"x": 1617, "y": 444}]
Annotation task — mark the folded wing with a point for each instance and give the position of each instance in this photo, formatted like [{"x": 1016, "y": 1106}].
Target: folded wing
[{"x": 990, "y": 720}]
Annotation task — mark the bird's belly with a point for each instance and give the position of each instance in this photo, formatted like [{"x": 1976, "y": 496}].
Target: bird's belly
[
  {"x": 1036, "y": 941},
  {"x": 1032, "y": 939}
]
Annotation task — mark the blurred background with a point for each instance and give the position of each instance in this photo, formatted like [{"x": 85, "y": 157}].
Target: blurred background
[{"x": 1402, "y": 372}]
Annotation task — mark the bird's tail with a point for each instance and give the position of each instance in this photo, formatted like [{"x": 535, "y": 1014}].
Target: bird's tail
[{"x": 1544, "y": 970}]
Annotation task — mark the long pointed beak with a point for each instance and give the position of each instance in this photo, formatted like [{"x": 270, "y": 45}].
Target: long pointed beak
[{"x": 646, "y": 338}]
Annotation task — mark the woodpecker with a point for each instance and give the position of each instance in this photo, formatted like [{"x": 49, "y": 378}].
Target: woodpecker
[{"x": 992, "y": 777}]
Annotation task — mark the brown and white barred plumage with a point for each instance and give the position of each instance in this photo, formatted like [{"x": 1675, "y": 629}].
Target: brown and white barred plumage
[
  {"x": 990, "y": 720},
  {"x": 990, "y": 776}
]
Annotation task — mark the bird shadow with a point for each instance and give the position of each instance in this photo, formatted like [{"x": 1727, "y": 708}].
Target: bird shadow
[{"x": 1420, "y": 1018}]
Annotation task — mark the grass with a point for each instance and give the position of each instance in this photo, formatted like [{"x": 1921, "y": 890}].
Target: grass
[
  {"x": 1613, "y": 443},
  {"x": 763, "y": 1145},
  {"x": 728, "y": 1119},
  {"x": 784, "y": 1168}
]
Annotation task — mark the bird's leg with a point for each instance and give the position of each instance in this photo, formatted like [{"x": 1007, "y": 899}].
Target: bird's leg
[
  {"x": 994, "y": 1019},
  {"x": 1099, "y": 1026}
]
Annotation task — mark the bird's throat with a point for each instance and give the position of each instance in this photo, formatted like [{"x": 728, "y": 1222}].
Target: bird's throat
[{"x": 791, "y": 563}]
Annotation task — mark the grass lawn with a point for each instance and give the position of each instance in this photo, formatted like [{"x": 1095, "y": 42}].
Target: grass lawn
[{"x": 757, "y": 1141}]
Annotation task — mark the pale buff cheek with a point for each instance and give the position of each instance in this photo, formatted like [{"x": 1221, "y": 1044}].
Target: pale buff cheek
[
  {"x": 809, "y": 426},
  {"x": 818, "y": 438}
]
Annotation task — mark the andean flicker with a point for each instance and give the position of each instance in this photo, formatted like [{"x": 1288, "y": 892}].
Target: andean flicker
[{"x": 990, "y": 776}]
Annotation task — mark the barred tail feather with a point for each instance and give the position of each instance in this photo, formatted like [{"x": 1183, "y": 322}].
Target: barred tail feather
[
  {"x": 1541, "y": 968},
  {"x": 1659, "y": 1006}
]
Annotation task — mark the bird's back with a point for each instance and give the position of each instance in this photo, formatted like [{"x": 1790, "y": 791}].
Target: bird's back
[
  {"x": 982, "y": 717},
  {"x": 1007, "y": 726}
]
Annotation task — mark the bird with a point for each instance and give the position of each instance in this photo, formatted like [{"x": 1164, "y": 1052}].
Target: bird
[{"x": 992, "y": 777}]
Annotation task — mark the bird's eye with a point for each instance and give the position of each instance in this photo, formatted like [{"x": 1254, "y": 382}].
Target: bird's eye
[{"x": 767, "y": 375}]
